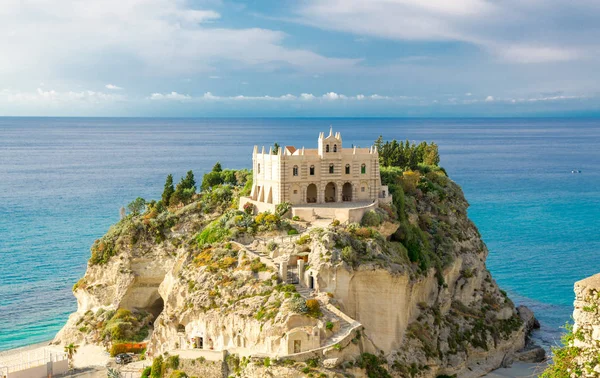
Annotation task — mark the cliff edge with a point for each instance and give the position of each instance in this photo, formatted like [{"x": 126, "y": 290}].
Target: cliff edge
[{"x": 404, "y": 293}]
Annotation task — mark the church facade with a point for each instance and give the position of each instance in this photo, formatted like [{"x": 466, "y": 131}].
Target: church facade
[{"x": 329, "y": 174}]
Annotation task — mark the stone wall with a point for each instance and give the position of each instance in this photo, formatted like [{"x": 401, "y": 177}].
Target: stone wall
[{"x": 586, "y": 328}]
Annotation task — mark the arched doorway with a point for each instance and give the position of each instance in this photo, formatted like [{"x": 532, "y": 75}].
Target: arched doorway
[
  {"x": 330, "y": 192},
  {"x": 347, "y": 192},
  {"x": 311, "y": 194}
]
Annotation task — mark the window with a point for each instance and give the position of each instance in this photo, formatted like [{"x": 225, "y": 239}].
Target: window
[
  {"x": 297, "y": 346},
  {"x": 327, "y": 148},
  {"x": 335, "y": 148},
  {"x": 295, "y": 170},
  {"x": 363, "y": 169},
  {"x": 362, "y": 189},
  {"x": 259, "y": 168},
  {"x": 312, "y": 170},
  {"x": 330, "y": 168},
  {"x": 295, "y": 192},
  {"x": 347, "y": 169}
]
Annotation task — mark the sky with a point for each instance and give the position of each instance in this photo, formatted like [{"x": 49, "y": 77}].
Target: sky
[{"x": 299, "y": 58}]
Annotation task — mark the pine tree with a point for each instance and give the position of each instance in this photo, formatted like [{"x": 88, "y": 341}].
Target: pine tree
[
  {"x": 168, "y": 191},
  {"x": 275, "y": 148},
  {"x": 189, "y": 182},
  {"x": 217, "y": 167}
]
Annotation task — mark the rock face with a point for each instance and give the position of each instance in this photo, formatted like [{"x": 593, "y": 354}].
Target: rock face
[
  {"x": 406, "y": 293},
  {"x": 586, "y": 327}
]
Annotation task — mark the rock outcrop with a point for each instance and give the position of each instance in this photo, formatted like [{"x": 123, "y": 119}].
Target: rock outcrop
[{"x": 406, "y": 293}]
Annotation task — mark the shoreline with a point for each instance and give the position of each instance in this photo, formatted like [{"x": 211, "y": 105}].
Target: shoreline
[{"x": 25, "y": 348}]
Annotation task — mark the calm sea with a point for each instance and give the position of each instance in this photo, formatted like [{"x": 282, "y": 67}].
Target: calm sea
[{"x": 63, "y": 180}]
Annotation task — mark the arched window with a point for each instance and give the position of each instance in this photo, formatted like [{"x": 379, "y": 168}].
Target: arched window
[
  {"x": 330, "y": 168},
  {"x": 312, "y": 170},
  {"x": 327, "y": 148},
  {"x": 363, "y": 169},
  {"x": 335, "y": 148},
  {"x": 295, "y": 170},
  {"x": 347, "y": 169},
  {"x": 258, "y": 167}
]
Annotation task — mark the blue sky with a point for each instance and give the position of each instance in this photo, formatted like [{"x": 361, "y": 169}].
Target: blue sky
[{"x": 299, "y": 58}]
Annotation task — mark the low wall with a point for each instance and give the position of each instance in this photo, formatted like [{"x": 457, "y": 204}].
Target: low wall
[
  {"x": 259, "y": 207},
  {"x": 41, "y": 371},
  {"x": 343, "y": 214}
]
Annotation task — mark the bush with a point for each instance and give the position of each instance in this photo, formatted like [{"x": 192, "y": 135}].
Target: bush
[
  {"x": 119, "y": 348},
  {"x": 296, "y": 218},
  {"x": 304, "y": 239},
  {"x": 178, "y": 374},
  {"x": 329, "y": 326},
  {"x": 313, "y": 308},
  {"x": 292, "y": 231},
  {"x": 349, "y": 255},
  {"x": 335, "y": 223},
  {"x": 173, "y": 362},
  {"x": 371, "y": 219},
  {"x": 249, "y": 208},
  {"x": 146, "y": 373},
  {"x": 298, "y": 305},
  {"x": 157, "y": 368}
]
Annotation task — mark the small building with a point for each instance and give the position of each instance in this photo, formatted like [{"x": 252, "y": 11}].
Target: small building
[{"x": 329, "y": 176}]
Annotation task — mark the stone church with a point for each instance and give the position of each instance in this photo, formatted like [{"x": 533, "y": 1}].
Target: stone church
[{"x": 330, "y": 174}]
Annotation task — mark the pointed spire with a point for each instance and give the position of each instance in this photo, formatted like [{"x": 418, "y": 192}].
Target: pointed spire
[
  {"x": 263, "y": 150},
  {"x": 330, "y": 130}
]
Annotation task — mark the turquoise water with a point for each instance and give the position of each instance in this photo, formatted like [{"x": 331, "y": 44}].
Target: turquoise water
[{"x": 63, "y": 180}]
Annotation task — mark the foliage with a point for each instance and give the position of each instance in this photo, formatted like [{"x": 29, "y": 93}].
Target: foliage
[
  {"x": 118, "y": 348},
  {"x": 168, "y": 190},
  {"x": 125, "y": 326},
  {"x": 173, "y": 362},
  {"x": 71, "y": 350},
  {"x": 313, "y": 308},
  {"x": 372, "y": 364},
  {"x": 282, "y": 208},
  {"x": 157, "y": 367},
  {"x": 137, "y": 206},
  {"x": 146, "y": 373},
  {"x": 178, "y": 374},
  {"x": 564, "y": 363},
  {"x": 276, "y": 148},
  {"x": 329, "y": 326},
  {"x": 371, "y": 219},
  {"x": 249, "y": 208},
  {"x": 211, "y": 179},
  {"x": 184, "y": 191},
  {"x": 304, "y": 239},
  {"x": 298, "y": 305},
  {"x": 292, "y": 231},
  {"x": 217, "y": 167},
  {"x": 405, "y": 154}
]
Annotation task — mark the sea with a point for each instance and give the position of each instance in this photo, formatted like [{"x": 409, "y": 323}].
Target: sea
[{"x": 63, "y": 181}]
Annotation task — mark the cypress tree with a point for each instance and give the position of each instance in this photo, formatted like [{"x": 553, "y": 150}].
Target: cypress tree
[{"x": 168, "y": 191}]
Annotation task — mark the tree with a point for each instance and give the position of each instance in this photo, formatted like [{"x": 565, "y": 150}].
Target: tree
[
  {"x": 211, "y": 179},
  {"x": 432, "y": 155},
  {"x": 217, "y": 167},
  {"x": 189, "y": 182},
  {"x": 70, "y": 350},
  {"x": 275, "y": 148},
  {"x": 137, "y": 206},
  {"x": 168, "y": 191}
]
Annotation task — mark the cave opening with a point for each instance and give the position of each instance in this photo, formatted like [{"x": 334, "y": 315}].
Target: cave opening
[{"x": 157, "y": 307}]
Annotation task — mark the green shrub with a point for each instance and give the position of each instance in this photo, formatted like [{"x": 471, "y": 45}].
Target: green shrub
[
  {"x": 157, "y": 368},
  {"x": 304, "y": 239},
  {"x": 312, "y": 362},
  {"x": 146, "y": 373},
  {"x": 292, "y": 231},
  {"x": 178, "y": 374},
  {"x": 313, "y": 308},
  {"x": 329, "y": 326},
  {"x": 298, "y": 305},
  {"x": 371, "y": 364},
  {"x": 267, "y": 362},
  {"x": 173, "y": 362},
  {"x": 296, "y": 218},
  {"x": 371, "y": 219}
]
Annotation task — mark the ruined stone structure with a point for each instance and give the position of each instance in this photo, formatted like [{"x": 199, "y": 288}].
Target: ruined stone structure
[{"x": 328, "y": 176}]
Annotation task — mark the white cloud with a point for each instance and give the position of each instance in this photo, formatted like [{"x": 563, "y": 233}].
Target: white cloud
[
  {"x": 334, "y": 96},
  {"x": 307, "y": 96},
  {"x": 113, "y": 87},
  {"x": 53, "y": 97},
  {"x": 489, "y": 99},
  {"x": 170, "y": 96},
  {"x": 378, "y": 97},
  {"x": 514, "y": 30},
  {"x": 360, "y": 97},
  {"x": 64, "y": 39}
]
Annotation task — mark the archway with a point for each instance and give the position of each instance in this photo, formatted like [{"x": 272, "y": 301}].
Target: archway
[
  {"x": 156, "y": 307},
  {"x": 347, "y": 192},
  {"x": 330, "y": 192},
  {"x": 311, "y": 193}
]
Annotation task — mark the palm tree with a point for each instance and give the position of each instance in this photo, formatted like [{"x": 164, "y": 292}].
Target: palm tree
[{"x": 70, "y": 350}]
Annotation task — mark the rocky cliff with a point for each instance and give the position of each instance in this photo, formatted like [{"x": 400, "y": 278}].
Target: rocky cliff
[
  {"x": 404, "y": 293},
  {"x": 578, "y": 357}
]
